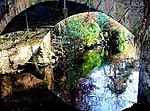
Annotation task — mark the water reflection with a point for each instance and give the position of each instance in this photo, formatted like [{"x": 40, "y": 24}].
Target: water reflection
[
  {"x": 110, "y": 88},
  {"x": 87, "y": 41}
]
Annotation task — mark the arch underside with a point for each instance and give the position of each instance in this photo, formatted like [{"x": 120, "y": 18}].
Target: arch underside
[{"x": 44, "y": 15}]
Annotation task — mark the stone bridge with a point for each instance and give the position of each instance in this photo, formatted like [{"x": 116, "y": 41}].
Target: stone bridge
[{"x": 129, "y": 13}]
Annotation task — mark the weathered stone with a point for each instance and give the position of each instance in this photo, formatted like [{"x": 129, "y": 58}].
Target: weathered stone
[
  {"x": 46, "y": 48},
  {"x": 49, "y": 77},
  {"x": 26, "y": 81},
  {"x": 148, "y": 68},
  {"x": 114, "y": 8},
  {"x": 20, "y": 55},
  {"x": 23, "y": 52},
  {"x": 6, "y": 88}
]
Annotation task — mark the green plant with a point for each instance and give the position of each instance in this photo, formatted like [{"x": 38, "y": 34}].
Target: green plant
[
  {"x": 91, "y": 60},
  {"x": 122, "y": 41},
  {"x": 102, "y": 21},
  {"x": 81, "y": 37},
  {"x": 76, "y": 29}
]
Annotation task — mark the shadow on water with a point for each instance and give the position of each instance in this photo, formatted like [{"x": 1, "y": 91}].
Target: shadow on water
[{"x": 35, "y": 99}]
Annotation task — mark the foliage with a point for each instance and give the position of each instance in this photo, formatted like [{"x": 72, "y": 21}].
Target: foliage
[
  {"x": 85, "y": 34},
  {"x": 79, "y": 33},
  {"x": 102, "y": 21},
  {"x": 116, "y": 40},
  {"x": 122, "y": 41},
  {"x": 76, "y": 29},
  {"x": 91, "y": 60}
]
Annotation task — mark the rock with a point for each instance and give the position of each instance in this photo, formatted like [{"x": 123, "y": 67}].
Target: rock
[{"x": 21, "y": 53}]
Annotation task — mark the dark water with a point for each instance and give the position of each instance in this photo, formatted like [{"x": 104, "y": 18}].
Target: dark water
[{"x": 35, "y": 99}]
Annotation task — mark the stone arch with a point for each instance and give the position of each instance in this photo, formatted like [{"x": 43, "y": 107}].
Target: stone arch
[
  {"x": 121, "y": 17},
  {"x": 53, "y": 11},
  {"x": 44, "y": 13},
  {"x": 119, "y": 10}
]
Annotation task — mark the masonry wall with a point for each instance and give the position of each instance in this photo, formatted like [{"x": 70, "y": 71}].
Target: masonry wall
[{"x": 128, "y": 12}]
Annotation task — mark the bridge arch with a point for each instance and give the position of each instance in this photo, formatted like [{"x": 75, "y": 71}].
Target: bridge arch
[
  {"x": 44, "y": 14},
  {"x": 58, "y": 6},
  {"x": 118, "y": 10}
]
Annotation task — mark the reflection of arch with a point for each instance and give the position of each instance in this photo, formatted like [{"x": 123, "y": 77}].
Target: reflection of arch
[{"x": 44, "y": 13}]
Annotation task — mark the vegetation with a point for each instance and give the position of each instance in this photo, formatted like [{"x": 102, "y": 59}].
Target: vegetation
[
  {"x": 91, "y": 60},
  {"x": 79, "y": 29},
  {"x": 86, "y": 43}
]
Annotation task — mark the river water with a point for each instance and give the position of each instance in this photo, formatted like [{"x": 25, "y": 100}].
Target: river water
[{"x": 112, "y": 87}]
